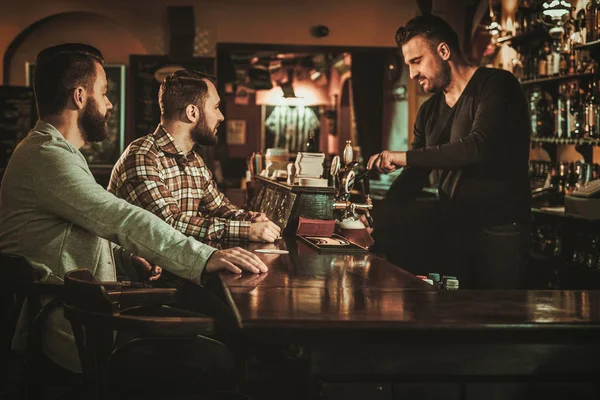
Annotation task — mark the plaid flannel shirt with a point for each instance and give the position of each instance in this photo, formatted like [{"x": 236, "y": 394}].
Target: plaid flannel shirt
[{"x": 153, "y": 173}]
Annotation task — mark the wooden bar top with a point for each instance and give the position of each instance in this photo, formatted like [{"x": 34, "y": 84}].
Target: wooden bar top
[
  {"x": 305, "y": 267},
  {"x": 305, "y": 291}
]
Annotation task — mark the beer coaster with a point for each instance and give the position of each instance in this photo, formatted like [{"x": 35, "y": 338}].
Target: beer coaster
[{"x": 271, "y": 251}]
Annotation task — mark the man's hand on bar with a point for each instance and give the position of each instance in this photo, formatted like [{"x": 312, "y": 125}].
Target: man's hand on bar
[
  {"x": 256, "y": 216},
  {"x": 387, "y": 161},
  {"x": 266, "y": 231},
  {"x": 235, "y": 260}
]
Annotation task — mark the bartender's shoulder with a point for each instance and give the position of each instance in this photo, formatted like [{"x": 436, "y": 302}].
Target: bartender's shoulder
[{"x": 497, "y": 75}]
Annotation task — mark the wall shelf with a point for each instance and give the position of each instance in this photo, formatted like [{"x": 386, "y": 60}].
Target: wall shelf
[
  {"x": 555, "y": 79},
  {"x": 578, "y": 142},
  {"x": 524, "y": 38},
  {"x": 595, "y": 45},
  {"x": 593, "y": 48}
]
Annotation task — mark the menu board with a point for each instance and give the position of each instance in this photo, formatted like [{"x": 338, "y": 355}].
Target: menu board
[
  {"x": 147, "y": 72},
  {"x": 17, "y": 116}
]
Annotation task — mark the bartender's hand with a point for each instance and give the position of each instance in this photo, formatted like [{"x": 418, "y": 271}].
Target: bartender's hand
[
  {"x": 387, "y": 161},
  {"x": 235, "y": 260},
  {"x": 368, "y": 227},
  {"x": 257, "y": 216},
  {"x": 266, "y": 231}
]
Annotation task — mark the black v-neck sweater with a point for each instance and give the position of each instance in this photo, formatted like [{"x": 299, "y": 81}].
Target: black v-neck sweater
[{"x": 481, "y": 148}]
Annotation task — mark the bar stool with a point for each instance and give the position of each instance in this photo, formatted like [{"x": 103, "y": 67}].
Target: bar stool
[
  {"x": 19, "y": 287},
  {"x": 151, "y": 341}
]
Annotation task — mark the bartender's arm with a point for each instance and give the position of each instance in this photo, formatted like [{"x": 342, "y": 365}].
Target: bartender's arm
[{"x": 490, "y": 128}]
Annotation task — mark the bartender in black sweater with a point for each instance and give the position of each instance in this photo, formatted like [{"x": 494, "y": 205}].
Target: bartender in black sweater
[{"x": 474, "y": 131}]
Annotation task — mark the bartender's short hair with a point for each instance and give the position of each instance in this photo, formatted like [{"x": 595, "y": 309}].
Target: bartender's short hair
[
  {"x": 182, "y": 88},
  {"x": 433, "y": 28},
  {"x": 61, "y": 69}
]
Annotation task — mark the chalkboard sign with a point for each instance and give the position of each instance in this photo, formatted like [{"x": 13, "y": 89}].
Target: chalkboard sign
[
  {"x": 17, "y": 117},
  {"x": 147, "y": 72}
]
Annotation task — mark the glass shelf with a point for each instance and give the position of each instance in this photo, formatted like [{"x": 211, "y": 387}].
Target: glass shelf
[
  {"x": 579, "y": 142},
  {"x": 559, "y": 78}
]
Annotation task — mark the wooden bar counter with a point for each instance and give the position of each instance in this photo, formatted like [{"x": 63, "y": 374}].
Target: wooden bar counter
[{"x": 356, "y": 326}]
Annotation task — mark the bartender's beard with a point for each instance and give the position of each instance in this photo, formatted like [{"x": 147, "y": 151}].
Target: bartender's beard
[
  {"x": 202, "y": 134},
  {"x": 442, "y": 78},
  {"x": 93, "y": 125}
]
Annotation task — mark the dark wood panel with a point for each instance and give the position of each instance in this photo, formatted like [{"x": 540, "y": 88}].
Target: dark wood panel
[{"x": 341, "y": 307}]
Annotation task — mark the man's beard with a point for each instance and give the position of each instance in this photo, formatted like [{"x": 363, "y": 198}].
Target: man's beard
[
  {"x": 202, "y": 135},
  {"x": 442, "y": 80},
  {"x": 92, "y": 124}
]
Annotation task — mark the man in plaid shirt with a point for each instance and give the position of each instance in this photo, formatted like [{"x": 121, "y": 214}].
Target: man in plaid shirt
[{"x": 164, "y": 173}]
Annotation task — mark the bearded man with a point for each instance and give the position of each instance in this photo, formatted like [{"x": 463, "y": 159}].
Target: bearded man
[
  {"x": 474, "y": 133},
  {"x": 55, "y": 215},
  {"x": 164, "y": 173}
]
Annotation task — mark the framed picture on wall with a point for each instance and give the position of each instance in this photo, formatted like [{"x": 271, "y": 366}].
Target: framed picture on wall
[
  {"x": 104, "y": 154},
  {"x": 289, "y": 127}
]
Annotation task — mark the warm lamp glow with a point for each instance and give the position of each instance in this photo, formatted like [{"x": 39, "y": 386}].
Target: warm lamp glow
[{"x": 306, "y": 95}]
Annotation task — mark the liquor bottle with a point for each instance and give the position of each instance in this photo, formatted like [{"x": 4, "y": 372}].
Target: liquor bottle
[
  {"x": 580, "y": 172},
  {"x": 542, "y": 64},
  {"x": 534, "y": 98},
  {"x": 590, "y": 21},
  {"x": 554, "y": 179},
  {"x": 542, "y": 114},
  {"x": 549, "y": 59},
  {"x": 579, "y": 27},
  {"x": 563, "y": 64},
  {"x": 311, "y": 144},
  {"x": 572, "y": 62},
  {"x": 562, "y": 111},
  {"x": 587, "y": 111},
  {"x": 572, "y": 179},
  {"x": 517, "y": 66},
  {"x": 591, "y": 109},
  {"x": 555, "y": 49},
  {"x": 595, "y": 104},
  {"x": 533, "y": 66},
  {"x": 562, "y": 178},
  {"x": 577, "y": 110},
  {"x": 597, "y": 27},
  {"x": 531, "y": 174}
]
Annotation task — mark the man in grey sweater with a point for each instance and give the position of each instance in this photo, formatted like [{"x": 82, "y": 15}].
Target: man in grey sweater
[{"x": 53, "y": 213}]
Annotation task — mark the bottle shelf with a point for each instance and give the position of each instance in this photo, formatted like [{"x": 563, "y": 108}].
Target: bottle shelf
[
  {"x": 579, "y": 142},
  {"x": 595, "y": 45},
  {"x": 553, "y": 79},
  {"x": 524, "y": 38}
]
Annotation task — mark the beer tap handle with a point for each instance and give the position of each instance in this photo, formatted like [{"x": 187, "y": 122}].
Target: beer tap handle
[
  {"x": 369, "y": 218},
  {"x": 366, "y": 186}
]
